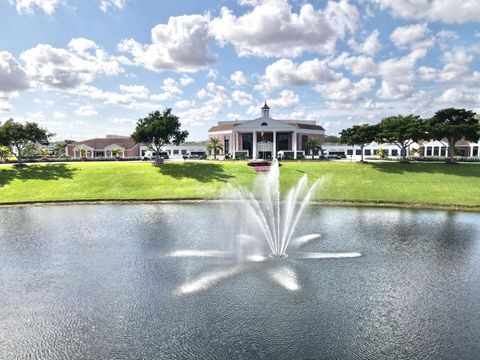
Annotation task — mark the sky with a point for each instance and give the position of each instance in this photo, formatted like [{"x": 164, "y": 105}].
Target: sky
[{"x": 88, "y": 68}]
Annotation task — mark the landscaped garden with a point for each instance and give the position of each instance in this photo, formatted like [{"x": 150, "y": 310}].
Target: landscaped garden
[{"x": 418, "y": 183}]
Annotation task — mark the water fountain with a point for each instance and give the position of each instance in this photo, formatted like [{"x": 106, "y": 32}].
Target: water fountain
[
  {"x": 263, "y": 226},
  {"x": 274, "y": 219}
]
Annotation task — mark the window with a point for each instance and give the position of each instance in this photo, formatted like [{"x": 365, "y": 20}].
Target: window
[
  {"x": 368, "y": 152},
  {"x": 184, "y": 152},
  {"x": 443, "y": 151},
  {"x": 394, "y": 152},
  {"x": 175, "y": 152},
  {"x": 350, "y": 152},
  {"x": 375, "y": 152},
  {"x": 358, "y": 152},
  {"x": 283, "y": 141},
  {"x": 429, "y": 151},
  {"x": 436, "y": 151},
  {"x": 226, "y": 145},
  {"x": 264, "y": 124},
  {"x": 475, "y": 151}
]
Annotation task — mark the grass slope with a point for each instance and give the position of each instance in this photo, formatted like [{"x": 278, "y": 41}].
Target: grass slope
[{"x": 419, "y": 183}]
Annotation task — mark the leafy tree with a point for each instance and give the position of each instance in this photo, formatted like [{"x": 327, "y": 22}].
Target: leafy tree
[
  {"x": 402, "y": 131},
  {"x": 453, "y": 125},
  {"x": 5, "y": 153},
  {"x": 382, "y": 153},
  {"x": 43, "y": 151},
  {"x": 159, "y": 129},
  {"x": 21, "y": 137},
  {"x": 313, "y": 145},
  {"x": 214, "y": 145},
  {"x": 359, "y": 135},
  {"x": 332, "y": 139}
]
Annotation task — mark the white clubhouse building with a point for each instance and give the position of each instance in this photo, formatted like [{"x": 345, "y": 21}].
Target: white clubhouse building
[{"x": 264, "y": 137}]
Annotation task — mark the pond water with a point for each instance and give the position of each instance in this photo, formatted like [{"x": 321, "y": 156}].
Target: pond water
[{"x": 99, "y": 282}]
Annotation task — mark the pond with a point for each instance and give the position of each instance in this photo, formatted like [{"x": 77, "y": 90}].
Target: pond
[{"x": 100, "y": 282}]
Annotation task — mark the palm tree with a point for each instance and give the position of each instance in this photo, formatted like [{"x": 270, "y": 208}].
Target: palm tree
[
  {"x": 116, "y": 152},
  {"x": 214, "y": 145},
  {"x": 83, "y": 152},
  {"x": 313, "y": 145}
]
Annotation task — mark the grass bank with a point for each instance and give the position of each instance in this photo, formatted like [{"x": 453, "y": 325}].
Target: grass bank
[{"x": 418, "y": 183}]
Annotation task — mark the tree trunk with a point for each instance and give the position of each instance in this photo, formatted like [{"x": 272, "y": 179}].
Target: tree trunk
[
  {"x": 157, "y": 155},
  {"x": 19, "y": 156},
  {"x": 214, "y": 153},
  {"x": 312, "y": 154},
  {"x": 451, "y": 150}
]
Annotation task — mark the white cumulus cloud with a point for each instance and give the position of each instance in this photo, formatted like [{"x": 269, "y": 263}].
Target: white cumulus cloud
[
  {"x": 271, "y": 28},
  {"x": 180, "y": 45}
]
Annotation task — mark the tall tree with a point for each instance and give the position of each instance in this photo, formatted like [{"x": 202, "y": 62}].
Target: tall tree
[
  {"x": 313, "y": 145},
  {"x": 453, "y": 125},
  {"x": 359, "y": 135},
  {"x": 214, "y": 145},
  {"x": 402, "y": 131},
  {"x": 20, "y": 137},
  {"x": 159, "y": 129}
]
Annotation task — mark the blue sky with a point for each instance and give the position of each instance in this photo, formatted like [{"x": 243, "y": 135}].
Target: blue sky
[{"x": 93, "y": 67}]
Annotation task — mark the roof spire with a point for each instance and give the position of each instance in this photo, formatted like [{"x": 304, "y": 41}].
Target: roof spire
[{"x": 265, "y": 110}]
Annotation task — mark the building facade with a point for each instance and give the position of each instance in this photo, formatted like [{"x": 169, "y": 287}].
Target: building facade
[
  {"x": 264, "y": 137},
  {"x": 123, "y": 146}
]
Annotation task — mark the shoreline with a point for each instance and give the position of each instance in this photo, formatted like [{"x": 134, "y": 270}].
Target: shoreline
[{"x": 342, "y": 203}]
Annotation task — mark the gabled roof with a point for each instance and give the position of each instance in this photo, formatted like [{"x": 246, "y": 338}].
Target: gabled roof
[
  {"x": 221, "y": 127},
  {"x": 102, "y": 143},
  {"x": 308, "y": 126}
]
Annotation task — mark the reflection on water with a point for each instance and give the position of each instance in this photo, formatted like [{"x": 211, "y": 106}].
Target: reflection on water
[{"x": 97, "y": 282}]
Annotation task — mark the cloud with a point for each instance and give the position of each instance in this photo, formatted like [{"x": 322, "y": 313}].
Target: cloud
[
  {"x": 12, "y": 75},
  {"x": 271, "y": 29},
  {"x": 238, "y": 77},
  {"x": 106, "y": 5},
  {"x": 456, "y": 69},
  {"x": 285, "y": 72},
  {"x": 357, "y": 65},
  {"x": 447, "y": 11},
  {"x": 87, "y": 110},
  {"x": 405, "y": 36},
  {"x": 398, "y": 75},
  {"x": 49, "y": 6},
  {"x": 242, "y": 98},
  {"x": 135, "y": 91},
  {"x": 456, "y": 97},
  {"x": 180, "y": 45},
  {"x": 370, "y": 46},
  {"x": 66, "y": 69},
  {"x": 185, "y": 104},
  {"x": 345, "y": 90},
  {"x": 30, "y": 6},
  {"x": 185, "y": 80},
  {"x": 287, "y": 99},
  {"x": 216, "y": 98},
  {"x": 59, "y": 115}
]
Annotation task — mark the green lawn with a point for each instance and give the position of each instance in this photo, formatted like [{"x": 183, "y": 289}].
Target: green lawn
[{"x": 419, "y": 183}]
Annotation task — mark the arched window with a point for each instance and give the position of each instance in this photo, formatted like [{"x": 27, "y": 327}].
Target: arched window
[{"x": 264, "y": 124}]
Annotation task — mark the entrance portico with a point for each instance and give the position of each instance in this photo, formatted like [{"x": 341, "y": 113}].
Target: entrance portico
[{"x": 264, "y": 137}]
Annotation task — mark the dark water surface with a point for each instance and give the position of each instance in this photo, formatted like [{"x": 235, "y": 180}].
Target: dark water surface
[{"x": 94, "y": 282}]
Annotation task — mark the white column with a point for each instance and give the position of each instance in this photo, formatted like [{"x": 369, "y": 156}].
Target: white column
[
  {"x": 254, "y": 139},
  {"x": 234, "y": 142},
  {"x": 123, "y": 153},
  {"x": 93, "y": 153},
  {"x": 294, "y": 144},
  {"x": 274, "y": 152}
]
